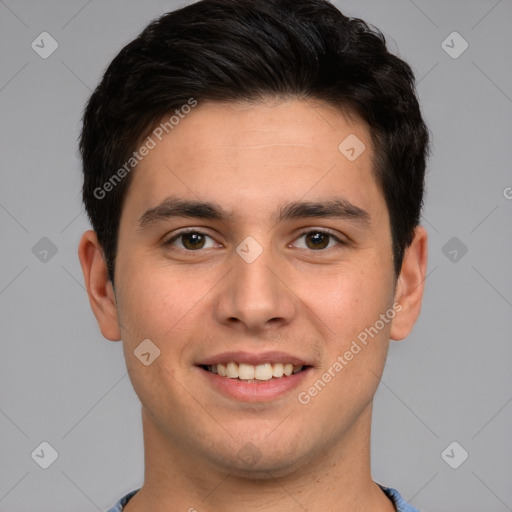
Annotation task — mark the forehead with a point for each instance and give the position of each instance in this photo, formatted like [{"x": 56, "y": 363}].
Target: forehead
[{"x": 252, "y": 155}]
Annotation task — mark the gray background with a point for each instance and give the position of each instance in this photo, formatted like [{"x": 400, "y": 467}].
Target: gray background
[{"x": 62, "y": 383}]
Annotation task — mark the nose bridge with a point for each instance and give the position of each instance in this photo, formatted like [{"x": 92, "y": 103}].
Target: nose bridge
[{"x": 254, "y": 296}]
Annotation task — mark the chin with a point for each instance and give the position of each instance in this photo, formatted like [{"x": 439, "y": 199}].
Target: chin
[
  {"x": 265, "y": 469},
  {"x": 263, "y": 463}
]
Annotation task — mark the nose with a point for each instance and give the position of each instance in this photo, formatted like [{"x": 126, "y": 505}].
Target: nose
[{"x": 255, "y": 296}]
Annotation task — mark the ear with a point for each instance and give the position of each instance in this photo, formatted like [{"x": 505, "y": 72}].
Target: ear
[
  {"x": 410, "y": 285},
  {"x": 99, "y": 288}
]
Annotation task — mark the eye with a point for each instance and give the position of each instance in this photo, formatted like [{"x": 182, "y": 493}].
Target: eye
[
  {"x": 317, "y": 240},
  {"x": 192, "y": 241}
]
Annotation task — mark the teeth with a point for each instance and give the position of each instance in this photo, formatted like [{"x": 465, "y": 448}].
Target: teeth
[
  {"x": 260, "y": 372},
  {"x": 263, "y": 372},
  {"x": 246, "y": 371},
  {"x": 232, "y": 371},
  {"x": 277, "y": 370}
]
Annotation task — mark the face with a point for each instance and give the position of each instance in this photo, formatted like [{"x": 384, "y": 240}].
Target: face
[{"x": 251, "y": 246}]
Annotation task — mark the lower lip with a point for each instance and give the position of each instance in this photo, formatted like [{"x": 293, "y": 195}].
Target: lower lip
[{"x": 255, "y": 391}]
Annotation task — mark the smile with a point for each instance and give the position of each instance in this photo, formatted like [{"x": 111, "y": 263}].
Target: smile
[
  {"x": 254, "y": 373},
  {"x": 254, "y": 377}
]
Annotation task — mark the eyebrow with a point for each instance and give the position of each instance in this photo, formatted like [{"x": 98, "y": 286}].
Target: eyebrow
[
  {"x": 176, "y": 207},
  {"x": 337, "y": 208}
]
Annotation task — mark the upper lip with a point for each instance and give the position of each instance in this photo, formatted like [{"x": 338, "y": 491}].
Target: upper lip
[{"x": 253, "y": 358}]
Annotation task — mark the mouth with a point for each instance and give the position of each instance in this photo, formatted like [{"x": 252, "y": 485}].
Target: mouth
[
  {"x": 254, "y": 373},
  {"x": 254, "y": 377}
]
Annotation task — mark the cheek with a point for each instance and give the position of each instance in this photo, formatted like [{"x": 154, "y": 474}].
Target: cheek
[
  {"x": 165, "y": 305},
  {"x": 151, "y": 301},
  {"x": 348, "y": 300},
  {"x": 355, "y": 348}
]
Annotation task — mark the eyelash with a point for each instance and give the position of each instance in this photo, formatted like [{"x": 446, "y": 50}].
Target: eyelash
[{"x": 303, "y": 233}]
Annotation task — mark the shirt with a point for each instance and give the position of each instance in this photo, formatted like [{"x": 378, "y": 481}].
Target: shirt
[{"x": 400, "y": 504}]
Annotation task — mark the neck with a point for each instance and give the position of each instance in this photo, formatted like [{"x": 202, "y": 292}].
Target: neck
[{"x": 338, "y": 479}]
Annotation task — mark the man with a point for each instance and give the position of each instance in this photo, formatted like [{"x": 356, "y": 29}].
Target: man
[{"x": 254, "y": 172}]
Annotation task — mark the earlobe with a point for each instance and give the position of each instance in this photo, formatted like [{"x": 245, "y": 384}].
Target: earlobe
[
  {"x": 410, "y": 285},
  {"x": 98, "y": 285}
]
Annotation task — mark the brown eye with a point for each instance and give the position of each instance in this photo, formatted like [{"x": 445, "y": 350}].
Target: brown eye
[
  {"x": 317, "y": 240},
  {"x": 192, "y": 241}
]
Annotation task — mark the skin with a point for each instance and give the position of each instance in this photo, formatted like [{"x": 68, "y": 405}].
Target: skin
[{"x": 251, "y": 159}]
